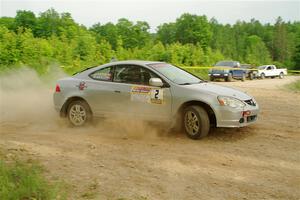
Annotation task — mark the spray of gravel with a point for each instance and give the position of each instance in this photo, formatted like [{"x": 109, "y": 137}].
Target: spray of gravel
[{"x": 26, "y": 104}]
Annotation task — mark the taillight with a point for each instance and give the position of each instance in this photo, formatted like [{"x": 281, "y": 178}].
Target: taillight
[{"x": 57, "y": 88}]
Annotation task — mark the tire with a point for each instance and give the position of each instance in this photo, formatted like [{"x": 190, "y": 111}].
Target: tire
[
  {"x": 195, "y": 122},
  {"x": 229, "y": 77},
  {"x": 244, "y": 77},
  {"x": 212, "y": 78},
  {"x": 79, "y": 113},
  {"x": 262, "y": 76},
  {"x": 251, "y": 76},
  {"x": 281, "y": 75}
]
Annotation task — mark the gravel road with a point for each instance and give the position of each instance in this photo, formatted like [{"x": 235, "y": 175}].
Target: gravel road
[{"x": 136, "y": 161}]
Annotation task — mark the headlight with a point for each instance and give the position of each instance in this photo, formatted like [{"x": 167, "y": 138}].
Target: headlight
[{"x": 230, "y": 101}]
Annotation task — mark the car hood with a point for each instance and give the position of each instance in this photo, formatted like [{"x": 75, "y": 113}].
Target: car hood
[{"x": 219, "y": 90}]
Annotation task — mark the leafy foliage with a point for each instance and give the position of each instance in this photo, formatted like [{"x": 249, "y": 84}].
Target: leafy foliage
[{"x": 191, "y": 40}]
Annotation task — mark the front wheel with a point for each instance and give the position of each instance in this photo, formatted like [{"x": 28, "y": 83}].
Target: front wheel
[
  {"x": 229, "y": 77},
  {"x": 79, "y": 113},
  {"x": 262, "y": 76},
  {"x": 196, "y": 122}
]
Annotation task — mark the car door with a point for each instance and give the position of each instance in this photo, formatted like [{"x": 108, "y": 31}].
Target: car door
[
  {"x": 102, "y": 94},
  {"x": 272, "y": 71},
  {"x": 268, "y": 71},
  {"x": 137, "y": 97}
]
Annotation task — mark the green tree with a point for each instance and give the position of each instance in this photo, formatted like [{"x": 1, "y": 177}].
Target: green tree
[
  {"x": 8, "y": 47},
  {"x": 166, "y": 33},
  {"x": 8, "y": 22},
  {"x": 48, "y": 23},
  {"x": 108, "y": 32},
  {"x": 25, "y": 19},
  {"x": 256, "y": 51},
  {"x": 193, "y": 29},
  {"x": 280, "y": 41}
]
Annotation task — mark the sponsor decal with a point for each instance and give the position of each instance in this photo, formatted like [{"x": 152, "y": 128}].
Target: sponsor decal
[
  {"x": 82, "y": 85},
  {"x": 147, "y": 94}
]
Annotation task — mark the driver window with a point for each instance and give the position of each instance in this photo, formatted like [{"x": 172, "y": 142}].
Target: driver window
[
  {"x": 127, "y": 74},
  {"x": 146, "y": 75},
  {"x": 133, "y": 74}
]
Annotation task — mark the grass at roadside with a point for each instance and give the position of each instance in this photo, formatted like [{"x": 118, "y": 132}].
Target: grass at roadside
[
  {"x": 295, "y": 86},
  {"x": 25, "y": 180}
]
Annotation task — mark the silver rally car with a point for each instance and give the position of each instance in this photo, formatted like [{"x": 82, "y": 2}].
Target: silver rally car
[{"x": 153, "y": 91}]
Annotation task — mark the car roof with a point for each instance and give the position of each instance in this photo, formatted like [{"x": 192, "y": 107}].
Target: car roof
[
  {"x": 85, "y": 73},
  {"x": 136, "y": 62}
]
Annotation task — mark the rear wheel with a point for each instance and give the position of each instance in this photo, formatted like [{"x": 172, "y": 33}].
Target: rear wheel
[
  {"x": 196, "y": 122},
  {"x": 79, "y": 113},
  {"x": 243, "y": 77},
  {"x": 251, "y": 76},
  {"x": 281, "y": 75},
  {"x": 212, "y": 78}
]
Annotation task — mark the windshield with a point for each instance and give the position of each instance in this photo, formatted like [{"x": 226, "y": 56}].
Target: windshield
[
  {"x": 175, "y": 74},
  {"x": 225, "y": 63},
  {"x": 262, "y": 67}
]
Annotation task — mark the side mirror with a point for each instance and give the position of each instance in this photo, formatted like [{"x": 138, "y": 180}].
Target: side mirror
[{"x": 157, "y": 82}]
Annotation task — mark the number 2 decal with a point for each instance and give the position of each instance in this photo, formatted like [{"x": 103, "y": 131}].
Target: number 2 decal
[{"x": 156, "y": 94}]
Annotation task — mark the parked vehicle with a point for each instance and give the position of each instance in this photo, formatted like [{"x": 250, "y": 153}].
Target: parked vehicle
[
  {"x": 270, "y": 71},
  {"x": 227, "y": 70},
  {"x": 153, "y": 91},
  {"x": 250, "y": 71}
]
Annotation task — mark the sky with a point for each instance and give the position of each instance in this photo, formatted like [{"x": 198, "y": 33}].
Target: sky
[{"x": 156, "y": 12}]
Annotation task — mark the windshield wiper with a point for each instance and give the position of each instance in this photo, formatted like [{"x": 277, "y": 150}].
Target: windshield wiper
[
  {"x": 185, "y": 83},
  {"x": 192, "y": 83}
]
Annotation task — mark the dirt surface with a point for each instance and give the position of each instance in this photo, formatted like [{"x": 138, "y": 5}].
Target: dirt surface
[{"x": 134, "y": 161}]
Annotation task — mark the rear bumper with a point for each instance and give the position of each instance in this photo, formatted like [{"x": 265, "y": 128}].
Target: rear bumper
[
  {"x": 58, "y": 101},
  {"x": 229, "y": 117}
]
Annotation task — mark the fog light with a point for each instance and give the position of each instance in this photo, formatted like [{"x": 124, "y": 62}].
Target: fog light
[{"x": 242, "y": 120}]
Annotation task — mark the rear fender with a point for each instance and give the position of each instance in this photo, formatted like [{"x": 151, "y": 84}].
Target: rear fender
[{"x": 64, "y": 108}]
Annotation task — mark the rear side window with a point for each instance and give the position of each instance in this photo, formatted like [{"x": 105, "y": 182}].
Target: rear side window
[{"x": 104, "y": 74}]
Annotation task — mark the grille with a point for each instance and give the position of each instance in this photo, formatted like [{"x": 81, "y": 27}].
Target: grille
[{"x": 250, "y": 102}]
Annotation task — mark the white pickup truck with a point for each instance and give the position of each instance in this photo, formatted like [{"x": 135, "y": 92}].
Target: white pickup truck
[{"x": 270, "y": 71}]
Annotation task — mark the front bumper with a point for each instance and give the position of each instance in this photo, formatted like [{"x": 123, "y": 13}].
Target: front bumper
[
  {"x": 220, "y": 75},
  {"x": 230, "y": 117}
]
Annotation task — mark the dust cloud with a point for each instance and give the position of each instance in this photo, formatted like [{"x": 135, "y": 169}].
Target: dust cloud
[
  {"x": 26, "y": 102},
  {"x": 26, "y": 98}
]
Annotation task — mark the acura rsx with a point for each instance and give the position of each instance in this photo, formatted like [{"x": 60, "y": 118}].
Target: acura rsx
[{"x": 152, "y": 91}]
